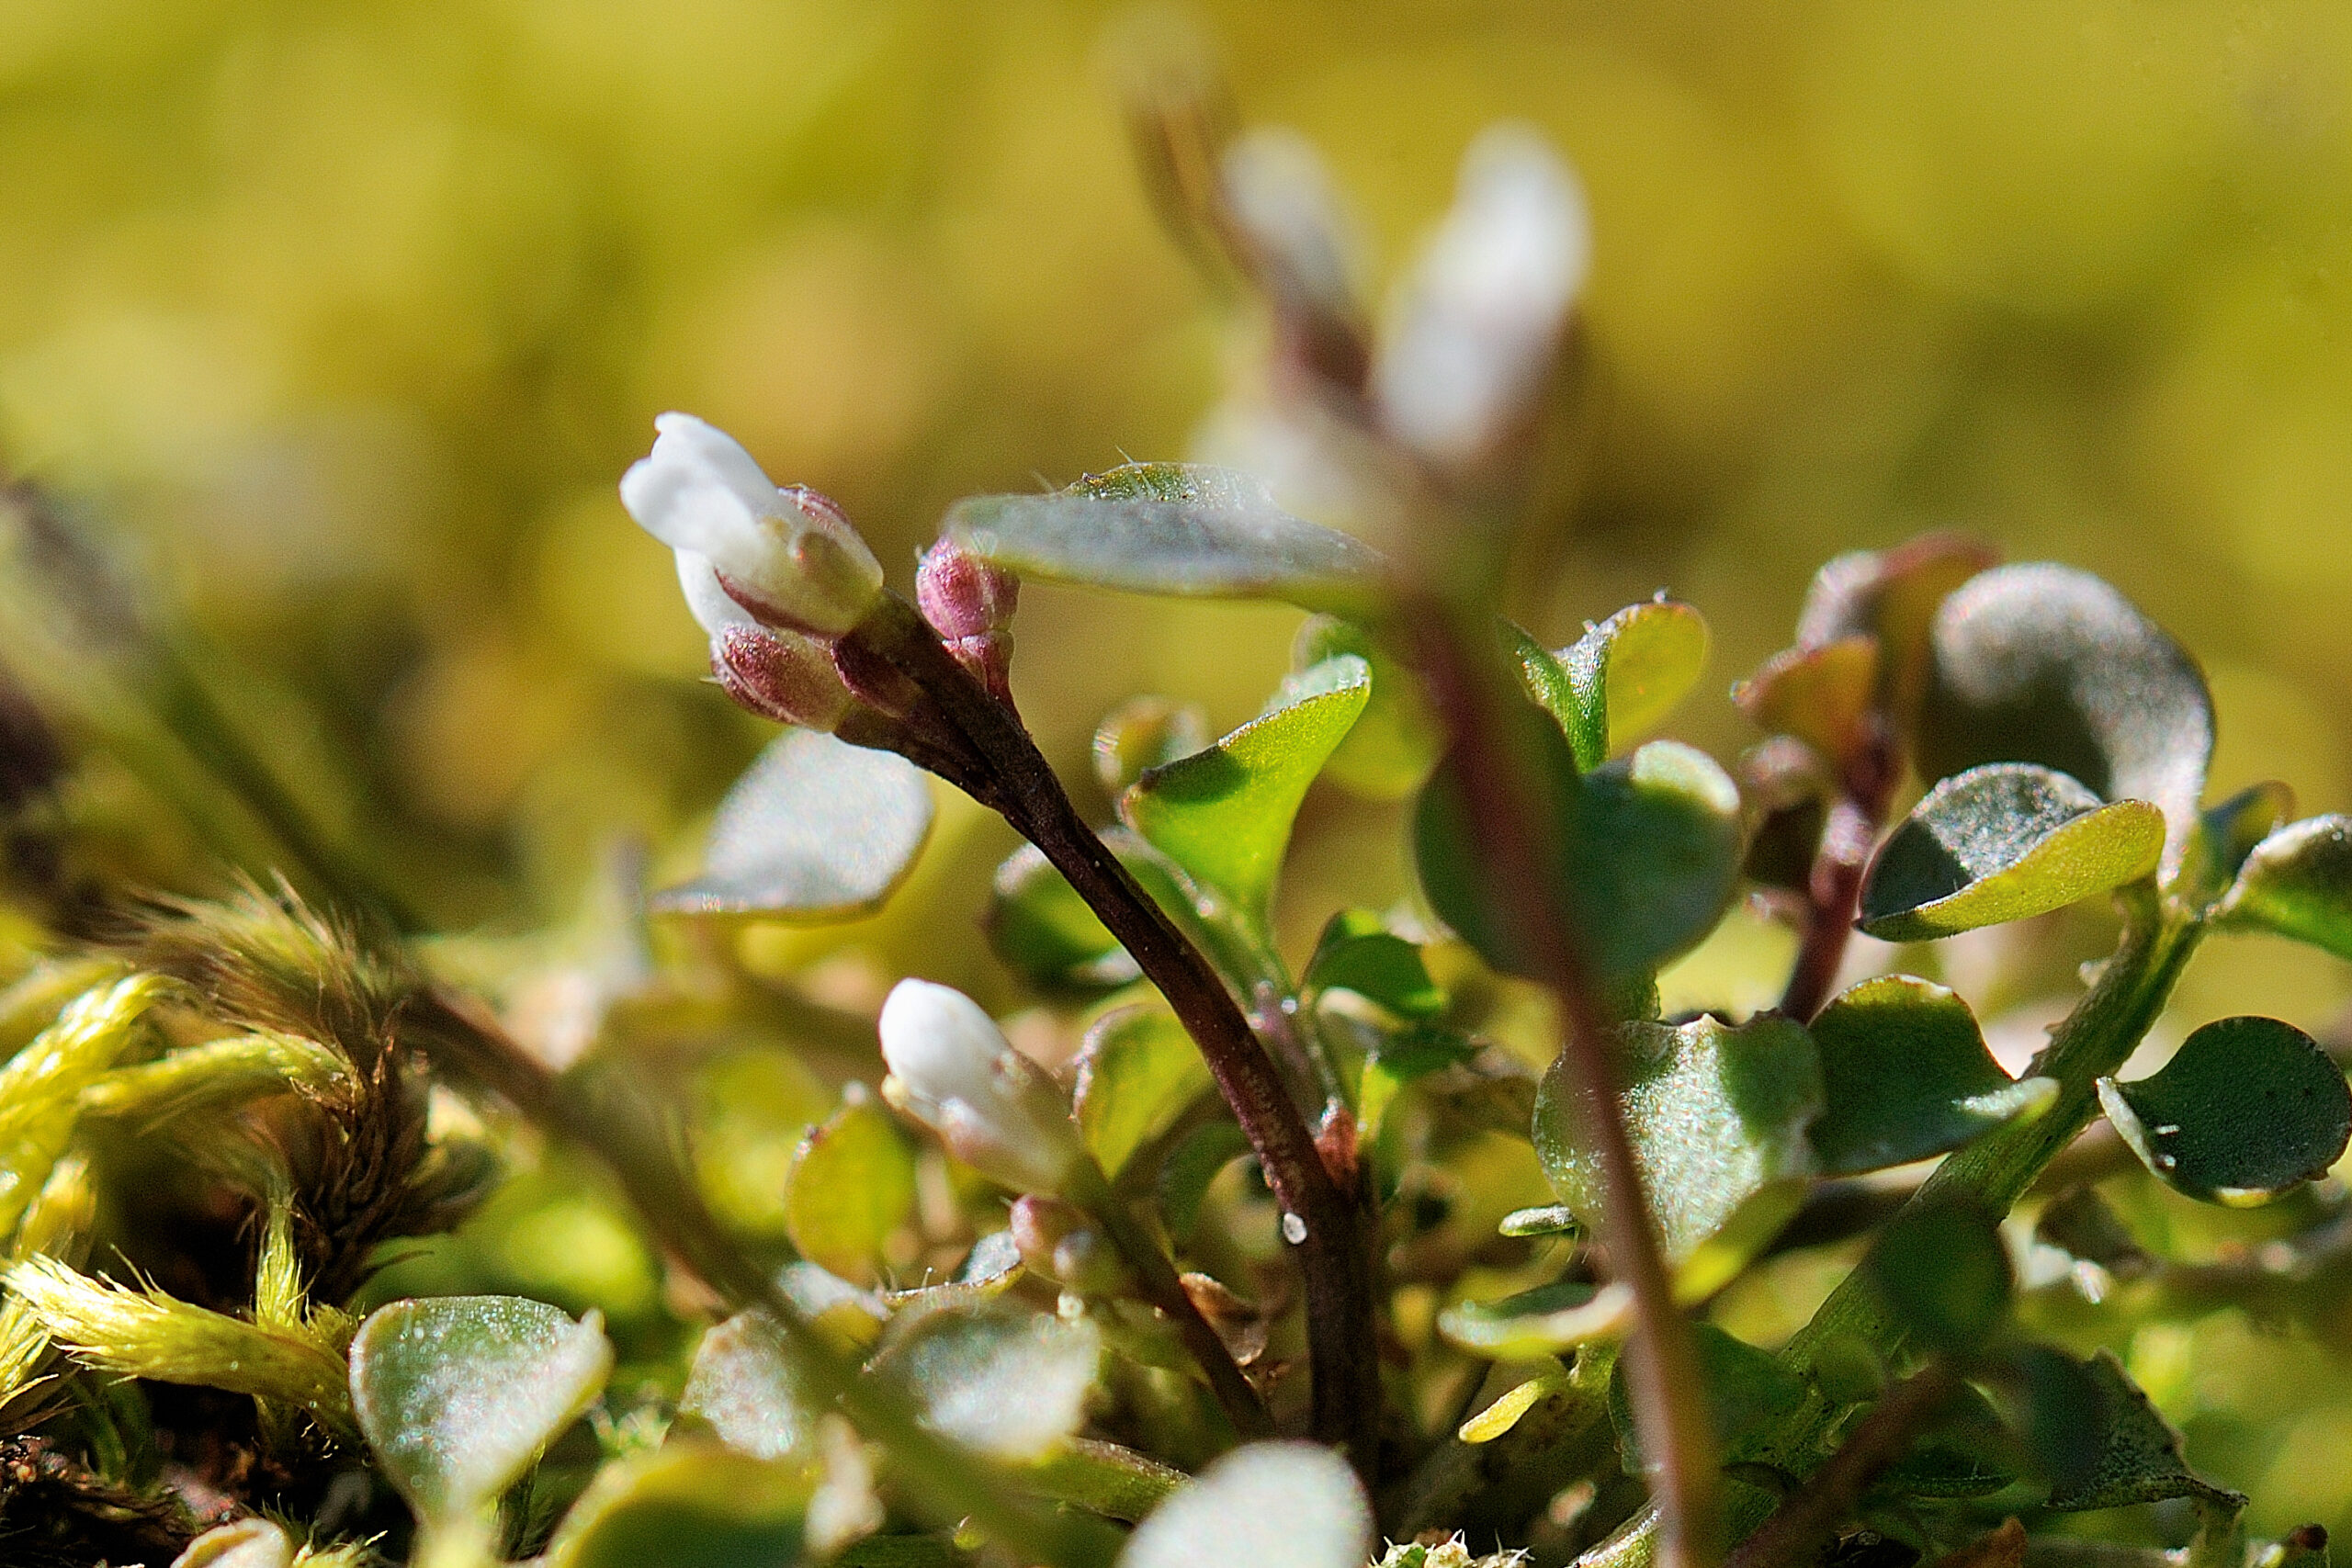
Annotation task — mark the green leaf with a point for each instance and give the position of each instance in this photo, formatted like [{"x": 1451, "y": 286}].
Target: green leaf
[
  {"x": 1389, "y": 753},
  {"x": 2041, "y": 663},
  {"x": 686, "y": 1506},
  {"x": 1006, "y": 1380},
  {"x": 742, "y": 1387},
  {"x": 1620, "y": 679},
  {"x": 458, "y": 1394},
  {"x": 2298, "y": 883},
  {"x": 2003, "y": 842},
  {"x": 1174, "y": 528},
  {"x": 1891, "y": 596},
  {"x": 2246, "y": 1108},
  {"x": 1716, "y": 1115},
  {"x": 1265, "y": 1505},
  {"x": 1944, "y": 1274},
  {"x": 1649, "y": 862},
  {"x": 1822, "y": 695},
  {"x": 1184, "y": 1180},
  {"x": 2229, "y": 832},
  {"x": 1966, "y": 1452},
  {"x": 1043, "y": 932},
  {"x": 1749, "y": 1394},
  {"x": 1225, "y": 814},
  {"x": 1357, "y": 954},
  {"x": 2100, "y": 1439},
  {"x": 1400, "y": 1058},
  {"x": 816, "y": 830},
  {"x": 1143, "y": 733},
  {"x": 851, "y": 1187},
  {"x": 1544, "y": 1219},
  {"x": 1104, "y": 1478},
  {"x": 1138, "y": 1072},
  {"x": 1549, "y": 1320},
  {"x": 1906, "y": 1075}
]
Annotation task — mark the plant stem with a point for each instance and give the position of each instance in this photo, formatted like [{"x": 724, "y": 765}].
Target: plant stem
[
  {"x": 1335, "y": 1252},
  {"x": 947, "y": 1482},
  {"x": 1161, "y": 1286},
  {"x": 1810, "y": 1516},
  {"x": 1833, "y": 885},
  {"x": 1511, "y": 819}
]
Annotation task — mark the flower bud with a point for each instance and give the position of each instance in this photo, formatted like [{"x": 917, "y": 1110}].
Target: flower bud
[
  {"x": 775, "y": 673},
  {"x": 787, "y": 556},
  {"x": 969, "y": 602},
  {"x": 952, "y": 1070}
]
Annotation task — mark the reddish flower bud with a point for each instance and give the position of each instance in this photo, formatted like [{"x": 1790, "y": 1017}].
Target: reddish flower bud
[
  {"x": 961, "y": 595},
  {"x": 779, "y": 675}
]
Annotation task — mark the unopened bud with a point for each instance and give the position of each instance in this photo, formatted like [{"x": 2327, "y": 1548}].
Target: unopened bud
[
  {"x": 969, "y": 602},
  {"x": 780, "y": 675},
  {"x": 952, "y": 1070},
  {"x": 789, "y": 556}
]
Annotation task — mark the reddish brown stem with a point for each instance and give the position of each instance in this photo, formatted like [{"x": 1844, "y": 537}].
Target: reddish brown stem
[
  {"x": 1334, "y": 1252},
  {"x": 1511, "y": 819},
  {"x": 1833, "y": 885}
]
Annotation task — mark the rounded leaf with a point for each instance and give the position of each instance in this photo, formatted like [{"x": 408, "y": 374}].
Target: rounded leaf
[
  {"x": 1620, "y": 679},
  {"x": 1891, "y": 596},
  {"x": 1007, "y": 1381},
  {"x": 851, "y": 1187},
  {"x": 1044, "y": 931},
  {"x": 1174, "y": 528},
  {"x": 2298, "y": 883},
  {"x": 1942, "y": 1270},
  {"x": 742, "y": 1387},
  {"x": 816, "y": 830},
  {"x": 1357, "y": 954},
  {"x": 458, "y": 1394},
  {"x": 2003, "y": 842},
  {"x": 1822, "y": 695},
  {"x": 1395, "y": 742},
  {"x": 1265, "y": 1505},
  {"x": 2246, "y": 1108},
  {"x": 2043, "y": 663},
  {"x": 1905, "y": 1074},
  {"x": 1716, "y": 1115}
]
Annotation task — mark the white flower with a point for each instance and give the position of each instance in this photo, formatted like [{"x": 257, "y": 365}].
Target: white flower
[
  {"x": 1481, "y": 316},
  {"x": 787, "y": 556},
  {"x": 951, "y": 1069}
]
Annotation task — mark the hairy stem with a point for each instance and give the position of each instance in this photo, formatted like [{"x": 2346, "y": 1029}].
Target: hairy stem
[
  {"x": 1510, "y": 817},
  {"x": 1334, "y": 1252}
]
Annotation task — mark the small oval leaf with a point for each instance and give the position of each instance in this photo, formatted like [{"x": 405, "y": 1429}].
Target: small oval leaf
[
  {"x": 1822, "y": 695},
  {"x": 1620, "y": 679},
  {"x": 1357, "y": 954},
  {"x": 1267, "y": 1504},
  {"x": 1393, "y": 745},
  {"x": 816, "y": 830},
  {"x": 2298, "y": 883},
  {"x": 1547, "y": 1321},
  {"x": 1891, "y": 596},
  {"x": 1905, "y": 1074},
  {"x": 1043, "y": 930},
  {"x": 2003, "y": 842},
  {"x": 851, "y": 1187},
  {"x": 458, "y": 1394},
  {"x": 1942, "y": 1270},
  {"x": 1008, "y": 1382},
  {"x": 742, "y": 1387},
  {"x": 2246, "y": 1108},
  {"x": 2043, "y": 663},
  {"x": 1174, "y": 528},
  {"x": 1225, "y": 814},
  {"x": 1716, "y": 1115},
  {"x": 1138, "y": 1072}
]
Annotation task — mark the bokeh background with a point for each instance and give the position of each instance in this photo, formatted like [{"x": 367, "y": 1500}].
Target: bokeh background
[{"x": 342, "y": 319}]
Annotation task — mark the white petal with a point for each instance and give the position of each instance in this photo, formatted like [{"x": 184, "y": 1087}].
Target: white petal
[
  {"x": 703, "y": 446},
  {"x": 941, "y": 1045},
  {"x": 709, "y": 602}
]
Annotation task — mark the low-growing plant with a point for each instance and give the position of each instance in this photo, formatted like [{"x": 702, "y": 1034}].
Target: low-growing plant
[{"x": 1236, "y": 1282}]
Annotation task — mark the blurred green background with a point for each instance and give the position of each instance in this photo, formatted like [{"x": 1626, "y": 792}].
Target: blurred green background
[{"x": 345, "y": 317}]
